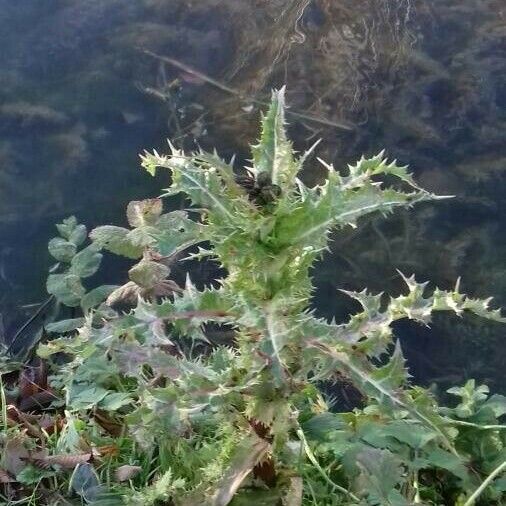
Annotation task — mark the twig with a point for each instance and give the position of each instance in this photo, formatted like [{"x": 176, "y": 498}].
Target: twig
[
  {"x": 227, "y": 89},
  {"x": 485, "y": 484}
]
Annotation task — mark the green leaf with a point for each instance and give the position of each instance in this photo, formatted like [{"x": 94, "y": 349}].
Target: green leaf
[
  {"x": 394, "y": 373},
  {"x": 445, "y": 460},
  {"x": 31, "y": 475},
  {"x": 85, "y": 396},
  {"x": 273, "y": 155},
  {"x": 381, "y": 473},
  {"x": 65, "y": 325},
  {"x": 497, "y": 404},
  {"x": 61, "y": 250},
  {"x": 78, "y": 235},
  {"x": 147, "y": 274},
  {"x": 96, "y": 296},
  {"x": 114, "y": 239},
  {"x": 67, "y": 288},
  {"x": 115, "y": 400},
  {"x": 86, "y": 262},
  {"x": 67, "y": 227}
]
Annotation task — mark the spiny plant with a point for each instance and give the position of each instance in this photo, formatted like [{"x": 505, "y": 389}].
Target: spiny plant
[{"x": 239, "y": 419}]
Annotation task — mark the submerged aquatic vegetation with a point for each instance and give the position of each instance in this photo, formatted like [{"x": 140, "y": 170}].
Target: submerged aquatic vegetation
[{"x": 143, "y": 393}]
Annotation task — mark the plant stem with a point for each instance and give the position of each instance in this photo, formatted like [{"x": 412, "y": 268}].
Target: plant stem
[
  {"x": 475, "y": 425},
  {"x": 485, "y": 484},
  {"x": 311, "y": 456},
  {"x": 3, "y": 402}
]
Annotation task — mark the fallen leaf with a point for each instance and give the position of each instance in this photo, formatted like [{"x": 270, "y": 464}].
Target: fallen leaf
[
  {"x": 126, "y": 472},
  {"x": 5, "y": 477}
]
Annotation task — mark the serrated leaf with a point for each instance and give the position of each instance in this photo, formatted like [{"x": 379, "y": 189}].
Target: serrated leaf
[
  {"x": 131, "y": 358},
  {"x": 273, "y": 155},
  {"x": 86, "y": 262},
  {"x": 176, "y": 232},
  {"x": 114, "y": 239},
  {"x": 381, "y": 473},
  {"x": 85, "y": 396},
  {"x": 394, "y": 373},
  {"x": 445, "y": 460},
  {"x": 67, "y": 288},
  {"x": 31, "y": 475},
  {"x": 61, "y": 250},
  {"x": 335, "y": 207},
  {"x": 362, "y": 372}
]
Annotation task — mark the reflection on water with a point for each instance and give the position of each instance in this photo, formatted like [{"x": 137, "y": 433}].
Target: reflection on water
[{"x": 80, "y": 97}]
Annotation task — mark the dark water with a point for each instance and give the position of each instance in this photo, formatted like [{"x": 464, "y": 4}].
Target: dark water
[{"x": 426, "y": 80}]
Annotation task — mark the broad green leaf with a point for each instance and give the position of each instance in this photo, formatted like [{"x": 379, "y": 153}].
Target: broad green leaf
[
  {"x": 142, "y": 237},
  {"x": 85, "y": 396},
  {"x": 78, "y": 235},
  {"x": 86, "y": 262},
  {"x": 446, "y": 460},
  {"x": 96, "y": 296},
  {"x": 31, "y": 475},
  {"x": 147, "y": 274},
  {"x": 67, "y": 288},
  {"x": 67, "y": 227},
  {"x": 381, "y": 473},
  {"x": 63, "y": 326},
  {"x": 115, "y": 400},
  {"x": 61, "y": 250},
  {"x": 114, "y": 239},
  {"x": 394, "y": 373}
]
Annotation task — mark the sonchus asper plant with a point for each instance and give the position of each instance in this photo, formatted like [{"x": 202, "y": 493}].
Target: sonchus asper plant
[{"x": 236, "y": 416}]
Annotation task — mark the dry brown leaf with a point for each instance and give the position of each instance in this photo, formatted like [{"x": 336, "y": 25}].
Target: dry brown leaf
[
  {"x": 248, "y": 454},
  {"x": 126, "y": 293},
  {"x": 29, "y": 422},
  {"x": 38, "y": 400},
  {"x": 126, "y": 472},
  {"x": 14, "y": 455},
  {"x": 5, "y": 477},
  {"x": 33, "y": 378},
  {"x": 65, "y": 461}
]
